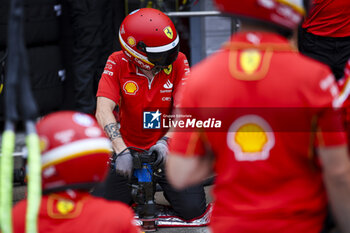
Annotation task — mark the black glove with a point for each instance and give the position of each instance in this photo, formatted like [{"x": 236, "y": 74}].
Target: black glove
[
  {"x": 161, "y": 149},
  {"x": 124, "y": 164}
]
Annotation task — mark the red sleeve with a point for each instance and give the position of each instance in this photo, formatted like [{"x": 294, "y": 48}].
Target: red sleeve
[
  {"x": 109, "y": 86},
  {"x": 330, "y": 115},
  {"x": 343, "y": 99},
  {"x": 187, "y": 143},
  {"x": 18, "y": 216},
  {"x": 344, "y": 87},
  {"x": 331, "y": 128},
  {"x": 182, "y": 72},
  {"x": 126, "y": 223},
  {"x": 191, "y": 141}
]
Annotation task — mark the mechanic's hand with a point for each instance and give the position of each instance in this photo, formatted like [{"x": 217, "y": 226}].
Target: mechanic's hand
[
  {"x": 161, "y": 149},
  {"x": 123, "y": 164}
]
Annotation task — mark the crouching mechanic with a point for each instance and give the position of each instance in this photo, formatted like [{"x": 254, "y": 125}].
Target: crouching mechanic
[
  {"x": 279, "y": 112},
  {"x": 146, "y": 74},
  {"x": 75, "y": 153}
]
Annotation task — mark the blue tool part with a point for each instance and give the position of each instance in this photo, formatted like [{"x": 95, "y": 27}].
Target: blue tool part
[{"x": 144, "y": 174}]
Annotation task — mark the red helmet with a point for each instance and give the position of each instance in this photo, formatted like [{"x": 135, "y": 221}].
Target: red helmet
[
  {"x": 75, "y": 151},
  {"x": 148, "y": 38},
  {"x": 284, "y": 13}
]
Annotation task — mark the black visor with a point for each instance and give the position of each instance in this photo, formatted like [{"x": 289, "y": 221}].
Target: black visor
[{"x": 164, "y": 58}]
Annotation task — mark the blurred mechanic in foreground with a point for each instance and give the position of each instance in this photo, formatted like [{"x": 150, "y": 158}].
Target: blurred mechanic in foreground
[
  {"x": 144, "y": 77},
  {"x": 268, "y": 176},
  {"x": 75, "y": 153}
]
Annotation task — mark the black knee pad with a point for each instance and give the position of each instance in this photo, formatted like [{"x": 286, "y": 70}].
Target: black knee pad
[{"x": 191, "y": 208}]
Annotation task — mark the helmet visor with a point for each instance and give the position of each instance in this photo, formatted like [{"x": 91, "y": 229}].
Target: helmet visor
[{"x": 164, "y": 58}]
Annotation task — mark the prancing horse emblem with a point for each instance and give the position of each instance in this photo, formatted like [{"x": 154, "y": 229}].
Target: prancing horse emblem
[{"x": 168, "y": 32}]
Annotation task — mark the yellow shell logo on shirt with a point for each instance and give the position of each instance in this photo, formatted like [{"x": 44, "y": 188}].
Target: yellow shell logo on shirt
[
  {"x": 130, "y": 87},
  {"x": 168, "y": 69},
  {"x": 168, "y": 32},
  {"x": 65, "y": 206},
  {"x": 250, "y": 60},
  {"x": 251, "y": 138}
]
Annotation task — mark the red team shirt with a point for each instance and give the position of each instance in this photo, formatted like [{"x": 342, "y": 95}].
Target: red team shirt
[
  {"x": 267, "y": 179},
  {"x": 330, "y": 18},
  {"x": 344, "y": 86},
  {"x": 128, "y": 87},
  {"x": 84, "y": 213}
]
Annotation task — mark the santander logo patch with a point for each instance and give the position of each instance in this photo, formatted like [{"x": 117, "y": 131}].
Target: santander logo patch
[{"x": 168, "y": 85}]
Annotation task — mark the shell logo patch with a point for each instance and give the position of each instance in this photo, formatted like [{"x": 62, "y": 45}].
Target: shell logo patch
[
  {"x": 168, "y": 32},
  {"x": 65, "y": 206},
  {"x": 130, "y": 87},
  {"x": 131, "y": 41},
  {"x": 250, "y": 60},
  {"x": 168, "y": 69},
  {"x": 251, "y": 138}
]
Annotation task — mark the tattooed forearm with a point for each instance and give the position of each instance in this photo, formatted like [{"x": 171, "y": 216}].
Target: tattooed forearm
[{"x": 112, "y": 130}]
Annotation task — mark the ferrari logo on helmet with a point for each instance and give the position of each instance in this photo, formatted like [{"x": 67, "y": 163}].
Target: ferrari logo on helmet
[
  {"x": 131, "y": 41},
  {"x": 168, "y": 32},
  {"x": 130, "y": 87},
  {"x": 168, "y": 69}
]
